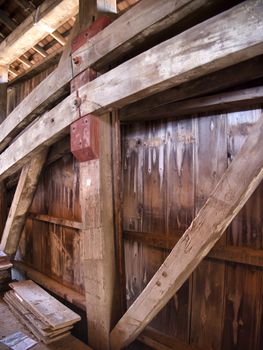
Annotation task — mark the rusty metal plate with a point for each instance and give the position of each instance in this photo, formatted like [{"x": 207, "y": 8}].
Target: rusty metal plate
[{"x": 92, "y": 30}]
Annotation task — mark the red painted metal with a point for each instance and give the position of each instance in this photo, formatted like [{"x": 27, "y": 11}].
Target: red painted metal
[
  {"x": 84, "y": 138},
  {"x": 83, "y": 78},
  {"x": 84, "y": 133},
  {"x": 93, "y": 29}
]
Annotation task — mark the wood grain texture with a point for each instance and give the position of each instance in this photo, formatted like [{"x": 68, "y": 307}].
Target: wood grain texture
[
  {"x": 50, "y": 14},
  {"x": 226, "y": 201},
  {"x": 3, "y": 113},
  {"x": 21, "y": 203},
  {"x": 46, "y": 282},
  {"x": 242, "y": 308},
  {"x": 147, "y": 18},
  {"x": 100, "y": 276},
  {"x": 210, "y": 83},
  {"x": 234, "y": 100},
  {"x": 208, "y": 278},
  {"x": 168, "y": 66},
  {"x": 158, "y": 197},
  {"x": 230, "y": 253},
  {"x": 43, "y": 305},
  {"x": 53, "y": 87},
  {"x": 13, "y": 325},
  {"x": 52, "y": 249}
]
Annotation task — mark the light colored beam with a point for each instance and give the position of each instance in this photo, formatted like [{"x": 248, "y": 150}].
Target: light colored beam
[
  {"x": 231, "y": 193},
  {"x": 25, "y": 62},
  {"x": 57, "y": 36},
  {"x": 21, "y": 203},
  {"x": 148, "y": 17},
  {"x": 44, "y": 20},
  {"x": 40, "y": 50}
]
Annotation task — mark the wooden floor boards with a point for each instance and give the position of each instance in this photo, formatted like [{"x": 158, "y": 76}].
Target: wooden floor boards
[{"x": 9, "y": 324}]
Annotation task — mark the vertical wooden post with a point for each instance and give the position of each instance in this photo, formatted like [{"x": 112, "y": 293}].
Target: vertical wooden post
[
  {"x": 97, "y": 203},
  {"x": 3, "y": 107},
  {"x": 101, "y": 287},
  {"x": 3, "y": 91},
  {"x": 117, "y": 202}
]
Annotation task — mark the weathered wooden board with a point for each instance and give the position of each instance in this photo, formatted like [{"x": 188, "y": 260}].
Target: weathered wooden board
[
  {"x": 13, "y": 325},
  {"x": 48, "y": 17},
  {"x": 43, "y": 305},
  {"x": 234, "y": 100},
  {"x": 158, "y": 197},
  {"x": 149, "y": 17},
  {"x": 208, "y": 278},
  {"x": 216, "y": 140},
  {"x": 246, "y": 229},
  {"x": 243, "y": 309},
  {"x": 21, "y": 203},
  {"x": 113, "y": 89},
  {"x": 210, "y": 83},
  {"x": 50, "y": 248}
]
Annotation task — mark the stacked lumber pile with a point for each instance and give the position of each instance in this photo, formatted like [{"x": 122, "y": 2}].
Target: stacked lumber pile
[
  {"x": 47, "y": 318},
  {"x": 5, "y": 272}
]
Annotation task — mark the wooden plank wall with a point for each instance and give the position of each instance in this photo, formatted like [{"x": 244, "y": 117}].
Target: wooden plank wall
[
  {"x": 54, "y": 249},
  {"x": 169, "y": 168},
  {"x": 50, "y": 248}
]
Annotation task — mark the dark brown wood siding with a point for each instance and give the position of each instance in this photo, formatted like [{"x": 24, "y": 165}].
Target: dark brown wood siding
[{"x": 169, "y": 169}]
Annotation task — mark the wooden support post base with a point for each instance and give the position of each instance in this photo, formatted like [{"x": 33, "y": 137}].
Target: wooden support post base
[{"x": 91, "y": 143}]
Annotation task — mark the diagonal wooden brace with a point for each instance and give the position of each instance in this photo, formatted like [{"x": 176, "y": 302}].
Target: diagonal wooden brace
[{"x": 231, "y": 193}]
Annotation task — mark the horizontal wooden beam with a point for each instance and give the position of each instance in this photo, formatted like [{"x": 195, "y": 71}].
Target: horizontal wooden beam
[
  {"x": 173, "y": 62},
  {"x": 147, "y": 17},
  {"x": 44, "y": 20},
  {"x": 224, "y": 101},
  {"x": 210, "y": 83},
  {"x": 229, "y": 196},
  {"x": 52, "y": 285},
  {"x": 241, "y": 255},
  {"x": 57, "y": 221},
  {"x": 159, "y": 341}
]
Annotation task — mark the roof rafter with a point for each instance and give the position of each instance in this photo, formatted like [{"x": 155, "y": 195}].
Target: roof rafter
[{"x": 43, "y": 21}]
